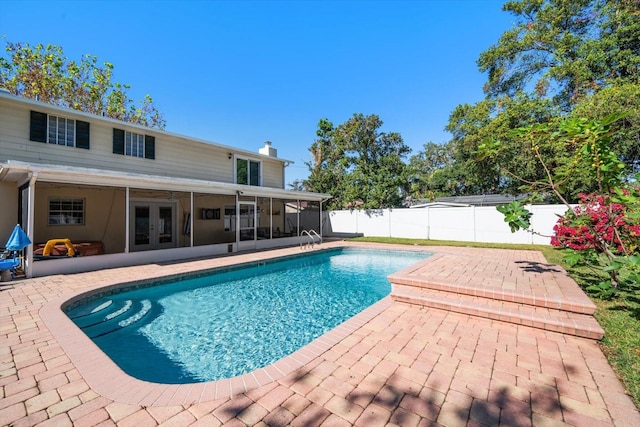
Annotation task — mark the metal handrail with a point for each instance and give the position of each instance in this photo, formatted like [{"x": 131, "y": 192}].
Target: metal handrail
[
  {"x": 310, "y": 236},
  {"x": 316, "y": 234}
]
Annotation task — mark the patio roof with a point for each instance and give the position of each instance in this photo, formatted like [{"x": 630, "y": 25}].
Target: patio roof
[{"x": 21, "y": 172}]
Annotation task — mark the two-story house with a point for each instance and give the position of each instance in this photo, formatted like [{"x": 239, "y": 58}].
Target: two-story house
[{"x": 137, "y": 194}]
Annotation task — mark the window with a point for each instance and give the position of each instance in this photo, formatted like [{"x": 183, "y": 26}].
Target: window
[
  {"x": 66, "y": 211},
  {"x": 59, "y": 130},
  {"x": 247, "y": 172},
  {"x": 133, "y": 144},
  {"x": 62, "y": 131}
]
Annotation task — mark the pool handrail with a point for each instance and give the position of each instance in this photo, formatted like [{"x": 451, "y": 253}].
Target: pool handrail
[{"x": 311, "y": 234}]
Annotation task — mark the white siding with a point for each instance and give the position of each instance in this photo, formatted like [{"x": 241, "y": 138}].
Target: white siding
[{"x": 174, "y": 155}]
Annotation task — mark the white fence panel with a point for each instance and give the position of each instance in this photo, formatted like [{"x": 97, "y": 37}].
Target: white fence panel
[
  {"x": 491, "y": 228},
  {"x": 408, "y": 223},
  {"x": 451, "y": 224},
  {"x": 465, "y": 224},
  {"x": 374, "y": 222},
  {"x": 340, "y": 222},
  {"x": 543, "y": 220}
]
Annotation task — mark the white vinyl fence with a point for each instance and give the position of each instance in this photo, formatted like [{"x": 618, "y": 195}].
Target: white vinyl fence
[{"x": 466, "y": 224}]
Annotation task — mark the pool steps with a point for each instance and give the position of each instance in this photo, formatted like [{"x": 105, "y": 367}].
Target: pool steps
[{"x": 110, "y": 316}]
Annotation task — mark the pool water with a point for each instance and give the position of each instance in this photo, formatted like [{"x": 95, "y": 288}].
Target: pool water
[{"x": 232, "y": 322}]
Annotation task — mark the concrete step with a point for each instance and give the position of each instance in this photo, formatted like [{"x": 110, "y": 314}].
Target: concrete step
[
  {"x": 573, "y": 300},
  {"x": 550, "y": 319}
]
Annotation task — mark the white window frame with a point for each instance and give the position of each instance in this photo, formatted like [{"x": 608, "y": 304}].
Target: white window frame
[
  {"x": 133, "y": 148},
  {"x": 66, "y": 216},
  {"x": 61, "y": 136},
  {"x": 249, "y": 160}
]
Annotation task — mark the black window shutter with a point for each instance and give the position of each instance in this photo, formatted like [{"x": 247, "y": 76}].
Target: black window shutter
[
  {"x": 82, "y": 134},
  {"x": 38, "y": 131},
  {"x": 149, "y": 147},
  {"x": 118, "y": 141}
]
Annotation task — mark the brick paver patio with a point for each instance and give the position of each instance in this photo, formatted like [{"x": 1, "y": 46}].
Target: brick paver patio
[{"x": 394, "y": 364}]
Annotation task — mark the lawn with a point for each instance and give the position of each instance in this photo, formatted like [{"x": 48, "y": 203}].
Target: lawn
[{"x": 619, "y": 317}]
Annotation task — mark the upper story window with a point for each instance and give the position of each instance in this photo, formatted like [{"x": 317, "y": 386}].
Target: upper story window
[
  {"x": 58, "y": 130},
  {"x": 134, "y": 144},
  {"x": 62, "y": 131},
  {"x": 248, "y": 172}
]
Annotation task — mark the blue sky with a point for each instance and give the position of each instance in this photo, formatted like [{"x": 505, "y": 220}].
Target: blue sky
[{"x": 242, "y": 72}]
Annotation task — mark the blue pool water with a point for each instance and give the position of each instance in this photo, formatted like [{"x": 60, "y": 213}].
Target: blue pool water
[{"x": 232, "y": 322}]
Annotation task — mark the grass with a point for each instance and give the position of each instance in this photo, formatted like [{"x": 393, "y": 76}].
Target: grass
[{"x": 619, "y": 317}]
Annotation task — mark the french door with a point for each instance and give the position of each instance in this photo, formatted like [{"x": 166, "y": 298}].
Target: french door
[{"x": 152, "y": 226}]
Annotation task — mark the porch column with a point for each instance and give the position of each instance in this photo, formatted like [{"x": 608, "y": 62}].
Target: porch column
[
  {"x": 30, "y": 224},
  {"x": 298, "y": 216},
  {"x": 270, "y": 218},
  {"x": 126, "y": 220},
  {"x": 320, "y": 220},
  {"x": 191, "y": 222},
  {"x": 237, "y": 218}
]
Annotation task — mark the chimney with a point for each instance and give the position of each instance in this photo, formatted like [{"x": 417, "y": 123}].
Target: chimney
[{"x": 268, "y": 150}]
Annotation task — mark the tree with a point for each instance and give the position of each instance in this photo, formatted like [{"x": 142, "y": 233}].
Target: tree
[
  {"x": 297, "y": 185},
  {"x": 564, "y": 49},
  {"x": 471, "y": 125},
  {"x": 626, "y": 138},
  {"x": 358, "y": 164},
  {"x": 432, "y": 172},
  {"x": 562, "y": 59},
  {"x": 44, "y": 73}
]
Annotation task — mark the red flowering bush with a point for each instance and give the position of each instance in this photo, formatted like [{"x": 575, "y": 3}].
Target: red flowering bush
[{"x": 599, "y": 224}]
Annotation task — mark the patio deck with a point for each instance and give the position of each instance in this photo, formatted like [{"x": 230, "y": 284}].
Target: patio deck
[{"x": 397, "y": 363}]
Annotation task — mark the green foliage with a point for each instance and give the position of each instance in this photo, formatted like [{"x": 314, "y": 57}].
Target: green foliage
[
  {"x": 475, "y": 127},
  {"x": 561, "y": 59},
  {"x": 626, "y": 136},
  {"x": 516, "y": 215},
  {"x": 564, "y": 49},
  {"x": 602, "y": 290},
  {"x": 431, "y": 172},
  {"x": 44, "y": 73},
  {"x": 358, "y": 165}
]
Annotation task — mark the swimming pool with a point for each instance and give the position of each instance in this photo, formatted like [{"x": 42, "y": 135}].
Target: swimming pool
[{"x": 234, "y": 321}]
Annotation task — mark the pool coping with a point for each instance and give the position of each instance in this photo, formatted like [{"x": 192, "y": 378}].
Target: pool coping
[{"x": 105, "y": 377}]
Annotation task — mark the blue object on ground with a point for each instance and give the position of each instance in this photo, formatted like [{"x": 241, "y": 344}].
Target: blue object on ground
[
  {"x": 18, "y": 239},
  {"x": 7, "y": 264}
]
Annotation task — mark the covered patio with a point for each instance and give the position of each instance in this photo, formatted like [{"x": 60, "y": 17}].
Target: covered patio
[{"x": 131, "y": 219}]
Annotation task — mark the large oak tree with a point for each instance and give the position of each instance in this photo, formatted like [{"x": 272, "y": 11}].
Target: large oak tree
[{"x": 359, "y": 165}]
